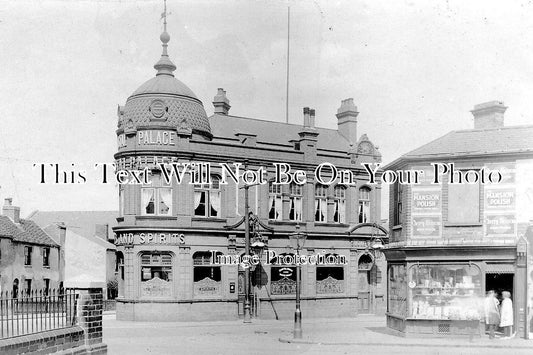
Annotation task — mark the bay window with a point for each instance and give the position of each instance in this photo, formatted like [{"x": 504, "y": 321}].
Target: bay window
[{"x": 156, "y": 198}]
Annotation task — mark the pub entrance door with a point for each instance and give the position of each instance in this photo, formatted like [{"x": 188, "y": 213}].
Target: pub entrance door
[{"x": 364, "y": 292}]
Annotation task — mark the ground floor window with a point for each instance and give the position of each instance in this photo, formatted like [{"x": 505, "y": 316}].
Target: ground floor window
[
  {"x": 156, "y": 274},
  {"x": 283, "y": 277},
  {"x": 207, "y": 277},
  {"x": 329, "y": 279}
]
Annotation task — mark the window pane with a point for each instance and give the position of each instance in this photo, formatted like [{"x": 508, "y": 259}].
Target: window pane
[
  {"x": 199, "y": 203},
  {"x": 165, "y": 201},
  {"x": 148, "y": 201}
]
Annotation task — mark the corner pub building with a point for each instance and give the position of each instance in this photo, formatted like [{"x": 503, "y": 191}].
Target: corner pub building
[{"x": 166, "y": 232}]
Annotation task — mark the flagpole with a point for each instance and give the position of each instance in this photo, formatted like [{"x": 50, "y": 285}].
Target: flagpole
[{"x": 288, "y": 51}]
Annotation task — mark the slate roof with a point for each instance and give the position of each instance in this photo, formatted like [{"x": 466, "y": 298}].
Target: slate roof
[
  {"x": 25, "y": 232},
  {"x": 81, "y": 222},
  {"x": 272, "y": 132},
  {"x": 512, "y": 139}
]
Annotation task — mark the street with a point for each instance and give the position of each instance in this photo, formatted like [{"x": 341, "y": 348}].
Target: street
[{"x": 366, "y": 334}]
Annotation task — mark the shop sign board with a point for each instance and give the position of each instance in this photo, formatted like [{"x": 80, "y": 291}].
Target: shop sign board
[
  {"x": 426, "y": 201},
  {"x": 500, "y": 224},
  {"x": 426, "y": 226},
  {"x": 154, "y": 238}
]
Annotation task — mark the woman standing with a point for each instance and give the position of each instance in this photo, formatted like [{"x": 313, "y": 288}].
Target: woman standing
[{"x": 506, "y": 314}]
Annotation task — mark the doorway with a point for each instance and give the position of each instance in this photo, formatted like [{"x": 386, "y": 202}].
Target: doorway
[{"x": 500, "y": 282}]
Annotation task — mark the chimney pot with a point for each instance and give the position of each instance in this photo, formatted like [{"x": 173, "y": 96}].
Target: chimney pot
[
  {"x": 489, "y": 115},
  {"x": 307, "y": 120},
  {"x": 221, "y": 102},
  {"x": 312, "y": 118}
]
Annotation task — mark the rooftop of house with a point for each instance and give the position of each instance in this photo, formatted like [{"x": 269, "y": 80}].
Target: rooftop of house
[{"x": 26, "y": 231}]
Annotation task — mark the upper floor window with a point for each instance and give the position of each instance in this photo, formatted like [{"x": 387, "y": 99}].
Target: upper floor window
[
  {"x": 321, "y": 203},
  {"x": 275, "y": 202},
  {"x": 295, "y": 202},
  {"x": 207, "y": 198},
  {"x": 398, "y": 201},
  {"x": 46, "y": 256},
  {"x": 339, "y": 211},
  {"x": 364, "y": 204},
  {"x": 27, "y": 255},
  {"x": 156, "y": 198}
]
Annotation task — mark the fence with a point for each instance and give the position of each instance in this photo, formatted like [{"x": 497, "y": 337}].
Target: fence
[{"x": 36, "y": 311}]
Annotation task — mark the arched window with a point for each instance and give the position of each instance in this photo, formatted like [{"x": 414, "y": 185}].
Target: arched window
[
  {"x": 274, "y": 202},
  {"x": 207, "y": 277},
  {"x": 321, "y": 203},
  {"x": 330, "y": 278},
  {"x": 339, "y": 214},
  {"x": 156, "y": 198},
  {"x": 295, "y": 202},
  {"x": 364, "y": 204},
  {"x": 283, "y": 274},
  {"x": 207, "y": 198}
]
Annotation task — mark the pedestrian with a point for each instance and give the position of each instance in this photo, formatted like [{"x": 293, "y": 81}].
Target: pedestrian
[
  {"x": 506, "y": 314},
  {"x": 492, "y": 312}
]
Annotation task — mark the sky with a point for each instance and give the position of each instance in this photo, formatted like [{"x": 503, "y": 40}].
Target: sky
[{"x": 414, "y": 68}]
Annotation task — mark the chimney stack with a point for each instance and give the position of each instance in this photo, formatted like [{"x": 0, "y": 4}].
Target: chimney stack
[
  {"x": 13, "y": 212},
  {"x": 102, "y": 231},
  {"x": 489, "y": 115},
  {"x": 347, "y": 120},
  {"x": 221, "y": 102}
]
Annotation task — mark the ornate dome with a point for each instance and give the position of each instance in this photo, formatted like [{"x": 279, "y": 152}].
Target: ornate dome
[{"x": 164, "y": 101}]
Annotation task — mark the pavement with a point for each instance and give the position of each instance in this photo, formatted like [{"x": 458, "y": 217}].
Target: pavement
[{"x": 320, "y": 336}]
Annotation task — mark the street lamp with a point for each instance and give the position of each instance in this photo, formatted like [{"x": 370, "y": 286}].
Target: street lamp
[{"x": 297, "y": 240}]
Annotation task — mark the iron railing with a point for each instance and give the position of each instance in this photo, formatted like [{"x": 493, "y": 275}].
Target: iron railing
[{"x": 36, "y": 311}]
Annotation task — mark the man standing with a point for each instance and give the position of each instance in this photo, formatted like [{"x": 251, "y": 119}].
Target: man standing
[
  {"x": 492, "y": 314},
  {"x": 506, "y": 314}
]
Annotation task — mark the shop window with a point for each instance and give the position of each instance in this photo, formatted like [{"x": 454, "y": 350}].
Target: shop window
[
  {"x": 339, "y": 214},
  {"x": 275, "y": 202},
  {"x": 207, "y": 198},
  {"x": 329, "y": 279},
  {"x": 398, "y": 195},
  {"x": 445, "y": 291},
  {"x": 295, "y": 202},
  {"x": 364, "y": 204},
  {"x": 397, "y": 290},
  {"x": 283, "y": 276},
  {"x": 463, "y": 203},
  {"x": 27, "y": 255},
  {"x": 46, "y": 257},
  {"x": 206, "y": 276},
  {"x": 321, "y": 203},
  {"x": 156, "y": 198},
  {"x": 156, "y": 274}
]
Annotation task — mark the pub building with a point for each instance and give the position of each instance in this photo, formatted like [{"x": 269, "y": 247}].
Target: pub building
[
  {"x": 167, "y": 232},
  {"x": 450, "y": 243}
]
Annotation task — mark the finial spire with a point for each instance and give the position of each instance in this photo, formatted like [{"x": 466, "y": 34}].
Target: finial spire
[{"x": 164, "y": 66}]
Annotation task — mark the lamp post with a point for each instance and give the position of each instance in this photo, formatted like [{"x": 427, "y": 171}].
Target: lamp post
[
  {"x": 247, "y": 315},
  {"x": 298, "y": 239}
]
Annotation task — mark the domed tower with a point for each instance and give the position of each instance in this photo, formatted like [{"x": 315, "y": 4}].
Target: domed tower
[{"x": 164, "y": 102}]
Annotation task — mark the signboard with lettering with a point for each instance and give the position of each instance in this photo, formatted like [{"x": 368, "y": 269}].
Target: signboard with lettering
[
  {"x": 500, "y": 225},
  {"x": 426, "y": 226},
  {"x": 507, "y": 171},
  {"x": 156, "y": 137},
  {"x": 426, "y": 200},
  {"x": 163, "y": 238},
  {"x": 500, "y": 199}
]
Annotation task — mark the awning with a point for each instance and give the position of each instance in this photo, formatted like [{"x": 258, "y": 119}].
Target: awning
[{"x": 500, "y": 269}]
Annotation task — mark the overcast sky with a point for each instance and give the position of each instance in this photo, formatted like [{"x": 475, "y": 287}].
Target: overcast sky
[{"x": 414, "y": 68}]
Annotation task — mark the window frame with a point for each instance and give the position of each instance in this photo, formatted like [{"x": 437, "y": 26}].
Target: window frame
[
  {"x": 275, "y": 201},
  {"x": 339, "y": 200},
  {"x": 157, "y": 186},
  {"x": 46, "y": 256},
  {"x": 208, "y": 192},
  {"x": 295, "y": 198},
  {"x": 364, "y": 204},
  {"x": 28, "y": 250},
  {"x": 320, "y": 200}
]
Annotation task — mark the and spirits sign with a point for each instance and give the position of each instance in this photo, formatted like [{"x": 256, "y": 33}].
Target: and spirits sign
[{"x": 164, "y": 238}]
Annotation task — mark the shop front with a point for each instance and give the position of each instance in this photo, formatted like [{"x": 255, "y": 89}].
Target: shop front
[{"x": 439, "y": 291}]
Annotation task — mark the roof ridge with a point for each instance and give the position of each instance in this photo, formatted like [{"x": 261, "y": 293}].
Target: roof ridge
[{"x": 269, "y": 121}]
